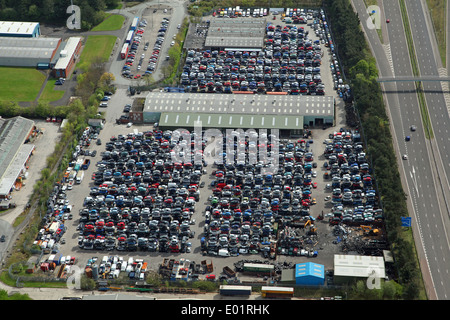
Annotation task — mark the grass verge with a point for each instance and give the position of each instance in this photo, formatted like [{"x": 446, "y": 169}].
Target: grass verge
[
  {"x": 113, "y": 22},
  {"x": 96, "y": 46},
  {"x": 49, "y": 93},
  {"x": 438, "y": 9}
]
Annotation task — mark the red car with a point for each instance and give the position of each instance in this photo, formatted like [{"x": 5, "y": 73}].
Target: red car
[{"x": 315, "y": 185}]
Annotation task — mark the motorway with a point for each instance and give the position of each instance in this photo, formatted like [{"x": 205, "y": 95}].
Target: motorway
[{"x": 425, "y": 174}]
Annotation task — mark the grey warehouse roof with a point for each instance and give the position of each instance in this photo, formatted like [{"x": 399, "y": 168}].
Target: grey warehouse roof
[
  {"x": 13, "y": 152},
  {"x": 40, "y": 42},
  {"x": 235, "y": 121},
  {"x": 240, "y": 41},
  {"x": 236, "y": 32},
  {"x": 299, "y": 105},
  {"x": 42, "y": 48}
]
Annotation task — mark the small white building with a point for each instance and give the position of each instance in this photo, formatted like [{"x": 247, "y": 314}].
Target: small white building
[{"x": 351, "y": 268}]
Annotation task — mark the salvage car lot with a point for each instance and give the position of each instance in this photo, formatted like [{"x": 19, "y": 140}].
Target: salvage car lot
[
  {"x": 111, "y": 210},
  {"x": 295, "y": 60},
  {"x": 253, "y": 240}
]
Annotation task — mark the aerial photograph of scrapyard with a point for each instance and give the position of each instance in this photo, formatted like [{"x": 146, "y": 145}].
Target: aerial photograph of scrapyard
[{"x": 247, "y": 152}]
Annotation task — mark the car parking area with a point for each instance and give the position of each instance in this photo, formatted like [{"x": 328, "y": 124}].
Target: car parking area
[{"x": 146, "y": 45}]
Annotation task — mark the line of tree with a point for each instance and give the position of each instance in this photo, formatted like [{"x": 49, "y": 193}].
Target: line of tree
[
  {"x": 199, "y": 7},
  {"x": 361, "y": 71},
  {"x": 90, "y": 87},
  {"x": 54, "y": 12}
]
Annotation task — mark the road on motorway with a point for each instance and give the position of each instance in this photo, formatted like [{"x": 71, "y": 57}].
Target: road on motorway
[{"x": 422, "y": 173}]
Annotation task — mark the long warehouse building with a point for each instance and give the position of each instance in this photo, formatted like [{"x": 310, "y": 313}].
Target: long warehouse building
[
  {"x": 28, "y": 52},
  {"x": 288, "y": 113},
  {"x": 20, "y": 29},
  {"x": 16, "y": 151}
]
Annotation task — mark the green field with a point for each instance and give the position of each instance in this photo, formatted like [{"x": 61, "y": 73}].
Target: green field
[
  {"x": 96, "y": 46},
  {"x": 20, "y": 84},
  {"x": 49, "y": 94},
  {"x": 113, "y": 22}
]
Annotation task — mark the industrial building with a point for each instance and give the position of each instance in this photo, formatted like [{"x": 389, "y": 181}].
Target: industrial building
[
  {"x": 15, "y": 152},
  {"x": 288, "y": 113},
  {"x": 304, "y": 274},
  {"x": 20, "y": 29},
  {"x": 28, "y": 52},
  {"x": 351, "y": 268},
  {"x": 236, "y": 34},
  {"x": 69, "y": 54}
]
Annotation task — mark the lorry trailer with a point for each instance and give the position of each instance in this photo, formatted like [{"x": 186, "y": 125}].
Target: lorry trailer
[
  {"x": 277, "y": 292},
  {"x": 235, "y": 290}
]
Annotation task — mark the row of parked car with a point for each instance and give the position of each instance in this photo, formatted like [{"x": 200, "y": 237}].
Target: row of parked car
[
  {"x": 158, "y": 45},
  {"x": 142, "y": 200},
  {"x": 131, "y": 56},
  {"x": 353, "y": 198},
  {"x": 248, "y": 205},
  {"x": 59, "y": 210}
]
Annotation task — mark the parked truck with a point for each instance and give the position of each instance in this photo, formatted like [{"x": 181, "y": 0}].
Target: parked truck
[
  {"x": 85, "y": 164},
  {"x": 79, "y": 177},
  {"x": 78, "y": 164},
  {"x": 235, "y": 290}
]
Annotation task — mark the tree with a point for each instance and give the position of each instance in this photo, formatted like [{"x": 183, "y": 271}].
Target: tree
[
  {"x": 42, "y": 110},
  {"x": 86, "y": 283},
  {"x": 106, "y": 80},
  {"x": 33, "y": 12}
]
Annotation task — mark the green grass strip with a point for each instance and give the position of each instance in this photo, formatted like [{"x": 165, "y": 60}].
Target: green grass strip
[{"x": 111, "y": 23}]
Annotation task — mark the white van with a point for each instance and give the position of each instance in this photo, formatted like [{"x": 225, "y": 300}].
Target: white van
[{"x": 223, "y": 253}]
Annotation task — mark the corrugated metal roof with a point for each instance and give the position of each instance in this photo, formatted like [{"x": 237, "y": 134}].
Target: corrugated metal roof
[
  {"x": 38, "y": 53},
  {"x": 309, "y": 269},
  {"x": 39, "y": 48},
  {"x": 236, "y": 32},
  {"x": 226, "y": 120},
  {"x": 358, "y": 266},
  {"x": 17, "y": 27},
  {"x": 252, "y": 104},
  {"x": 41, "y": 42}
]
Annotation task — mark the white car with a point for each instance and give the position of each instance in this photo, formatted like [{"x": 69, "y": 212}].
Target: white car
[
  {"x": 405, "y": 157},
  {"x": 172, "y": 43}
]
